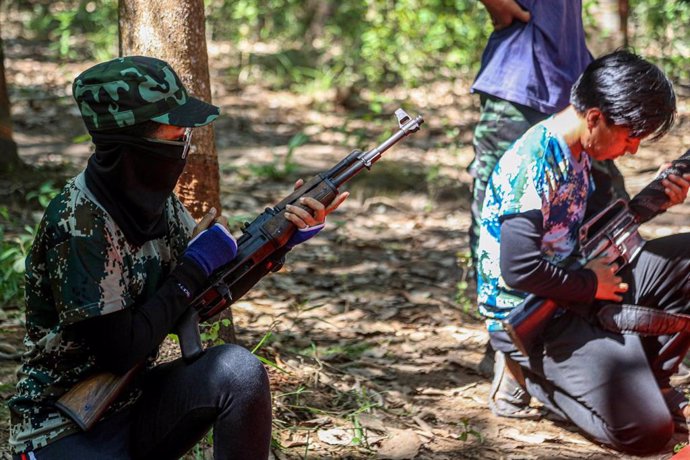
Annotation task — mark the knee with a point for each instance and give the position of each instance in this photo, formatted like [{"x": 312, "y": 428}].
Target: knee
[
  {"x": 647, "y": 435},
  {"x": 233, "y": 368}
]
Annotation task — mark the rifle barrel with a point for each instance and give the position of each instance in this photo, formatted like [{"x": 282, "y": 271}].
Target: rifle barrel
[{"x": 365, "y": 160}]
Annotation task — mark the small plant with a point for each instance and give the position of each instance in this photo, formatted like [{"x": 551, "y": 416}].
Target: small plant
[
  {"x": 211, "y": 334},
  {"x": 13, "y": 252},
  {"x": 263, "y": 359},
  {"x": 200, "y": 450},
  {"x": 469, "y": 431},
  {"x": 277, "y": 169},
  {"x": 45, "y": 192},
  {"x": 463, "y": 296}
]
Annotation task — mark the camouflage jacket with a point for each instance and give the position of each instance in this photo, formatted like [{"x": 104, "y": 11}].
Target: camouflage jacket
[{"x": 80, "y": 266}]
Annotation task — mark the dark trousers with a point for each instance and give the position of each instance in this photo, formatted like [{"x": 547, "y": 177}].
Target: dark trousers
[
  {"x": 225, "y": 389},
  {"x": 615, "y": 387}
]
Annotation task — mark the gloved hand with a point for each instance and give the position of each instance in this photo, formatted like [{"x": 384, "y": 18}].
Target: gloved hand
[
  {"x": 212, "y": 248},
  {"x": 303, "y": 234}
]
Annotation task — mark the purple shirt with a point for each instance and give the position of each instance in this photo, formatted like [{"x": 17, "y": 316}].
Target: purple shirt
[{"x": 536, "y": 63}]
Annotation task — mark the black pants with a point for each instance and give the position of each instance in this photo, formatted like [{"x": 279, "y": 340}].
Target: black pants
[
  {"x": 226, "y": 389},
  {"x": 615, "y": 387}
]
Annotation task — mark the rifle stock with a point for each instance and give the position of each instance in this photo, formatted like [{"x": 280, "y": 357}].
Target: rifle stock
[
  {"x": 261, "y": 250},
  {"x": 88, "y": 400}
]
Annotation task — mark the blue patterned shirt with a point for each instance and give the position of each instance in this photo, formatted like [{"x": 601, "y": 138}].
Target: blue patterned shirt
[{"x": 539, "y": 172}]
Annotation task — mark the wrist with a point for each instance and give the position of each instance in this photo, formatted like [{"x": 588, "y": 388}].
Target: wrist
[
  {"x": 303, "y": 234},
  {"x": 188, "y": 276}
]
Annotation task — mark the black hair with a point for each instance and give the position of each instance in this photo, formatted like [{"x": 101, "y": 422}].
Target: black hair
[
  {"x": 629, "y": 91},
  {"x": 143, "y": 129}
]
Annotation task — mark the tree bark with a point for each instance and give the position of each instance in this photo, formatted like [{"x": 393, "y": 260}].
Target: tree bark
[
  {"x": 623, "y": 13},
  {"x": 176, "y": 33},
  {"x": 610, "y": 26},
  {"x": 9, "y": 159}
]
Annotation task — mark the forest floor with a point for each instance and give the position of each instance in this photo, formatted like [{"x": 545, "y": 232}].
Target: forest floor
[{"x": 374, "y": 341}]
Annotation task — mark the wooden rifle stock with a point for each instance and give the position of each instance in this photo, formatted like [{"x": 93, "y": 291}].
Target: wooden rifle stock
[
  {"x": 261, "y": 250},
  {"x": 86, "y": 402}
]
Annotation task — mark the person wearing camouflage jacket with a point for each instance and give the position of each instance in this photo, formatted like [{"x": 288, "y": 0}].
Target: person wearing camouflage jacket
[{"x": 116, "y": 262}]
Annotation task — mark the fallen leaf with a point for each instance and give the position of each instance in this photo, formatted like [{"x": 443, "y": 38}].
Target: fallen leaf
[
  {"x": 372, "y": 422},
  {"x": 529, "y": 438},
  {"x": 336, "y": 436},
  {"x": 402, "y": 444}
]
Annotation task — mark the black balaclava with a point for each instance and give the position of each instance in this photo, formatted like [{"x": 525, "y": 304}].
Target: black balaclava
[{"x": 132, "y": 178}]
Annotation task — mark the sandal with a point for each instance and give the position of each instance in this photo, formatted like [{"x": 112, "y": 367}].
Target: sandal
[{"x": 507, "y": 397}]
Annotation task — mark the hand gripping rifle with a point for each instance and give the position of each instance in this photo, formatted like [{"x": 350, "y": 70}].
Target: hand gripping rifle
[
  {"x": 262, "y": 246},
  {"x": 615, "y": 227},
  {"x": 261, "y": 250}
]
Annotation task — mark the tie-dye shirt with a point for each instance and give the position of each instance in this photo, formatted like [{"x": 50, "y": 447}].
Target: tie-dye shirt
[{"x": 539, "y": 172}]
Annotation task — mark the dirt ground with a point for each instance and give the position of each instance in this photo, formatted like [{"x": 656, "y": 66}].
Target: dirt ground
[{"x": 374, "y": 344}]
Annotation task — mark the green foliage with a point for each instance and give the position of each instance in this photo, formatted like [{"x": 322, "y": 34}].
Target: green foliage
[
  {"x": 76, "y": 29},
  {"x": 378, "y": 43},
  {"x": 280, "y": 169},
  {"x": 263, "y": 359},
  {"x": 348, "y": 43},
  {"x": 468, "y": 430},
  {"x": 211, "y": 333},
  {"x": 464, "y": 296},
  {"x": 358, "y": 43},
  {"x": 13, "y": 252},
  {"x": 45, "y": 192},
  {"x": 662, "y": 30},
  {"x": 678, "y": 447}
]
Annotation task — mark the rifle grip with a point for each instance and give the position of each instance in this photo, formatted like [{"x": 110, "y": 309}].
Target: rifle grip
[{"x": 188, "y": 333}]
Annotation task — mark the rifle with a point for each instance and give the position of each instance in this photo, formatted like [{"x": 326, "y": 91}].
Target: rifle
[
  {"x": 615, "y": 227},
  {"x": 261, "y": 250}
]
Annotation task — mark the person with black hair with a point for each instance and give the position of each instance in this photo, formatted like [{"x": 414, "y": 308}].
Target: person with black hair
[
  {"x": 115, "y": 264},
  {"x": 614, "y": 387},
  {"x": 532, "y": 58}
]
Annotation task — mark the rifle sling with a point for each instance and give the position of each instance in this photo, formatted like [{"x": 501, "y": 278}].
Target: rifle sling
[{"x": 636, "y": 319}]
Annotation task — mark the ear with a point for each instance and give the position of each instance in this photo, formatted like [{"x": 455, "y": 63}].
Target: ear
[{"x": 594, "y": 116}]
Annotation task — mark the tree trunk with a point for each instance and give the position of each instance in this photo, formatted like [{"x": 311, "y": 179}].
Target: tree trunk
[
  {"x": 610, "y": 24},
  {"x": 175, "y": 32},
  {"x": 623, "y": 13},
  {"x": 9, "y": 159}
]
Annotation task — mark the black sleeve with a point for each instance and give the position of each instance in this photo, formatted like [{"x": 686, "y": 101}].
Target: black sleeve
[
  {"x": 125, "y": 338},
  {"x": 523, "y": 266}
]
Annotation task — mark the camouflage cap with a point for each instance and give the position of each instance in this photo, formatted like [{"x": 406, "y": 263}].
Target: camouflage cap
[{"x": 130, "y": 90}]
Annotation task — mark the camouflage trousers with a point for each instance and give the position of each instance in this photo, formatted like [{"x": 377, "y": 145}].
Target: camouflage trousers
[{"x": 500, "y": 124}]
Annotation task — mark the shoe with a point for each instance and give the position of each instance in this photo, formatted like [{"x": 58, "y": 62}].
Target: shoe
[{"x": 507, "y": 397}]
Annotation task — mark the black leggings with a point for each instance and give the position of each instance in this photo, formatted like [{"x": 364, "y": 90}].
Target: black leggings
[
  {"x": 226, "y": 388},
  {"x": 615, "y": 387}
]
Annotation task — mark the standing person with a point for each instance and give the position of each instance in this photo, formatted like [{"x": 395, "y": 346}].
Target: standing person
[
  {"x": 534, "y": 55},
  {"x": 614, "y": 387},
  {"x": 116, "y": 262}
]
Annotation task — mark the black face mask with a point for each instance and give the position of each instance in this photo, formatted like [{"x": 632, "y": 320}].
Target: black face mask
[{"x": 132, "y": 178}]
